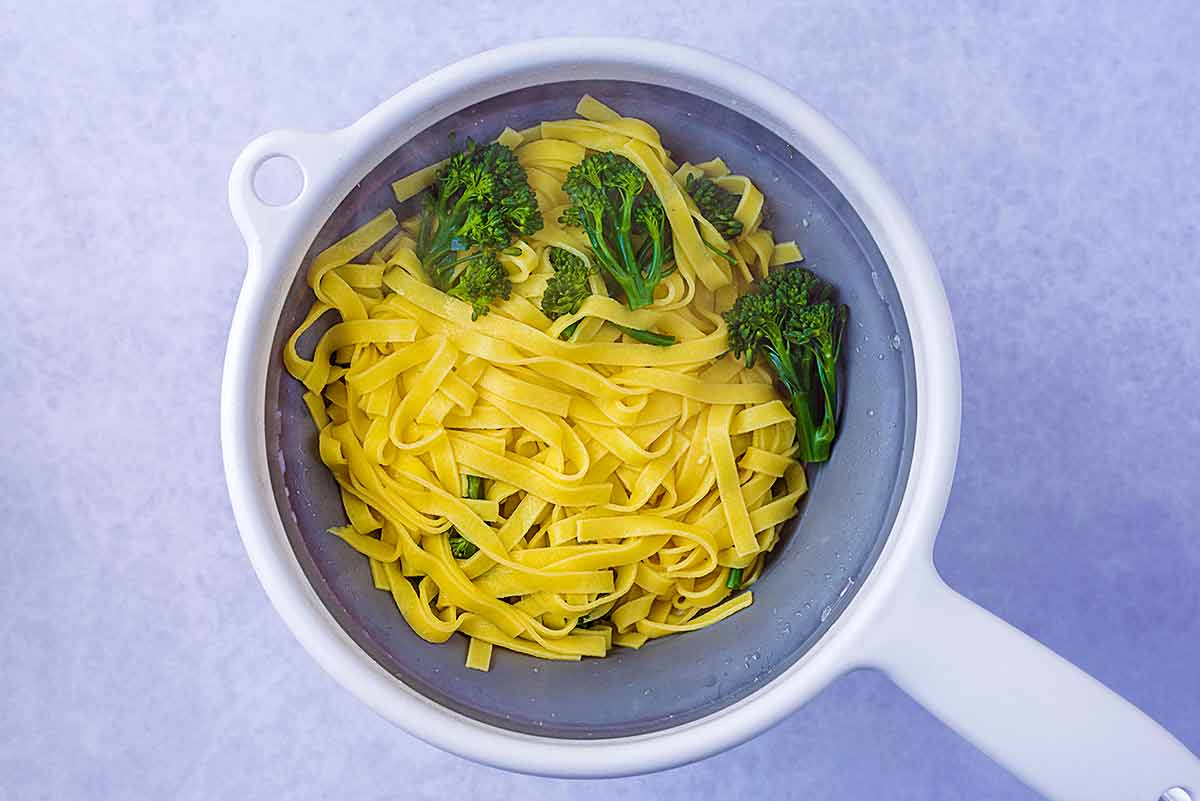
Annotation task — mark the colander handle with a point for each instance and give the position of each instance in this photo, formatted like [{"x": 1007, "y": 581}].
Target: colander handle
[
  {"x": 1055, "y": 727},
  {"x": 318, "y": 157}
]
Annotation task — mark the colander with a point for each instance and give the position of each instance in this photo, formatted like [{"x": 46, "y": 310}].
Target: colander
[{"x": 852, "y": 584}]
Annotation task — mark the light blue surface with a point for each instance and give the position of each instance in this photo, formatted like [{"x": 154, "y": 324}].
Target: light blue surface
[{"x": 1051, "y": 158}]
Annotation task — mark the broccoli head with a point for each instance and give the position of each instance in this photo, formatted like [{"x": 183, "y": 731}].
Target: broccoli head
[
  {"x": 716, "y": 204},
  {"x": 568, "y": 288},
  {"x": 790, "y": 319},
  {"x": 611, "y": 203},
  {"x": 461, "y": 547},
  {"x": 480, "y": 200},
  {"x": 480, "y": 282}
]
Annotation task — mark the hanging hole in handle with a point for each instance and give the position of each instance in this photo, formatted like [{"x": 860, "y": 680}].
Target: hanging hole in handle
[
  {"x": 277, "y": 180},
  {"x": 1176, "y": 794}
]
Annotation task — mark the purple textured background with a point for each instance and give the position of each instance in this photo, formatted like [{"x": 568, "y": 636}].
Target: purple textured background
[{"x": 1049, "y": 154}]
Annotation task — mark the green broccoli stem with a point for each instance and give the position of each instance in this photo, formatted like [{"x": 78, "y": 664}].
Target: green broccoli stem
[
  {"x": 649, "y": 337},
  {"x": 460, "y": 546},
  {"x": 724, "y": 254},
  {"x": 640, "y": 334},
  {"x": 638, "y": 292},
  {"x": 812, "y": 444},
  {"x": 599, "y": 246},
  {"x": 474, "y": 488},
  {"x": 570, "y": 330},
  {"x": 449, "y": 268},
  {"x": 426, "y": 230},
  {"x": 735, "y": 578},
  {"x": 824, "y": 434},
  {"x": 812, "y": 441},
  {"x": 624, "y": 231},
  {"x": 623, "y": 267}
]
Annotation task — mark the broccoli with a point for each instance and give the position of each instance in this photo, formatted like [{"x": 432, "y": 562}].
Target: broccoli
[
  {"x": 735, "y": 578},
  {"x": 481, "y": 281},
  {"x": 716, "y": 204},
  {"x": 790, "y": 319},
  {"x": 568, "y": 288},
  {"x": 587, "y": 621},
  {"x": 610, "y": 203},
  {"x": 651, "y": 218},
  {"x": 460, "y": 546},
  {"x": 481, "y": 199}
]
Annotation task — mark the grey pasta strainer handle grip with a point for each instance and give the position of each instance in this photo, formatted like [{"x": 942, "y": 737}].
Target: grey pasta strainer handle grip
[{"x": 1054, "y": 726}]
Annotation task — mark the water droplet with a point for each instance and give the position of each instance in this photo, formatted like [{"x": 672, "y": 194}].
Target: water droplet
[
  {"x": 825, "y": 613},
  {"x": 895, "y": 342},
  {"x": 858, "y": 349},
  {"x": 881, "y": 357},
  {"x": 870, "y": 412},
  {"x": 647, "y": 691}
]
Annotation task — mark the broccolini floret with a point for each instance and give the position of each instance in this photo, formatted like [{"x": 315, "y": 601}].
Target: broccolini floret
[
  {"x": 790, "y": 319},
  {"x": 716, "y": 204},
  {"x": 480, "y": 200},
  {"x": 461, "y": 547},
  {"x": 611, "y": 203},
  {"x": 568, "y": 288},
  {"x": 482, "y": 281}
]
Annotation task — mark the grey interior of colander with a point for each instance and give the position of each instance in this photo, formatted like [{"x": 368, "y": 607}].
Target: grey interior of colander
[{"x": 821, "y": 560}]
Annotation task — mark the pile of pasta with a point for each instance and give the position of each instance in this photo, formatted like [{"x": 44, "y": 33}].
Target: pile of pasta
[{"x": 624, "y": 480}]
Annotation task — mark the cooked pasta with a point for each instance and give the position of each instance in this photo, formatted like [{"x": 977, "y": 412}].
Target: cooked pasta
[{"x": 631, "y": 490}]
